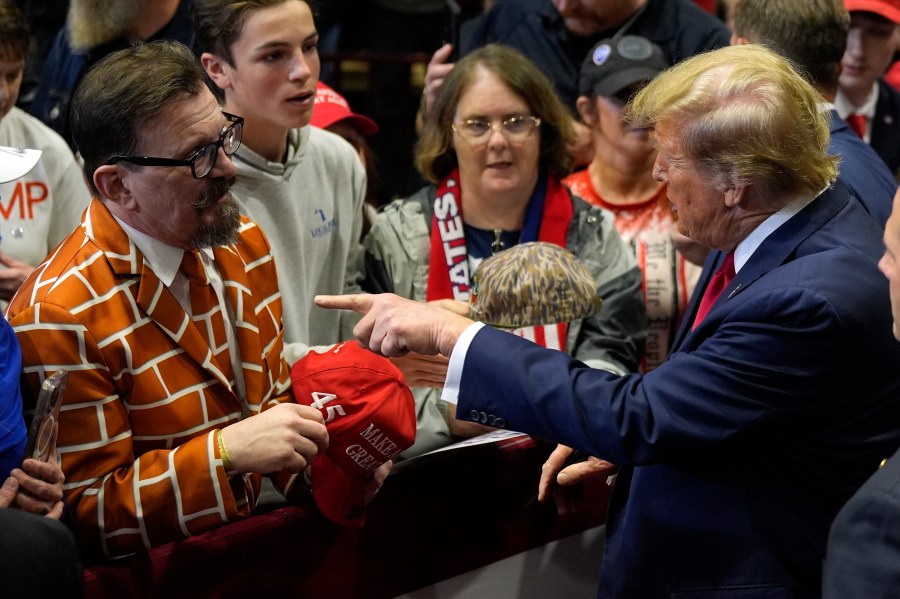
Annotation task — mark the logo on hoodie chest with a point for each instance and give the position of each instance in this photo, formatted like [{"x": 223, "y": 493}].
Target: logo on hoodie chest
[{"x": 324, "y": 224}]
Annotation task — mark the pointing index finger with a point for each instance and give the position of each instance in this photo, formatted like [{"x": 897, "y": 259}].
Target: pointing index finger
[{"x": 358, "y": 302}]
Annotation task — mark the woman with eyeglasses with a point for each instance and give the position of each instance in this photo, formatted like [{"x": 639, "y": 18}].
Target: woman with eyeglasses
[{"x": 494, "y": 149}]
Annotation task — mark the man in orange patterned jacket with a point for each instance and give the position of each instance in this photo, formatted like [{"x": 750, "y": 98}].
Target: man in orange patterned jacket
[{"x": 173, "y": 411}]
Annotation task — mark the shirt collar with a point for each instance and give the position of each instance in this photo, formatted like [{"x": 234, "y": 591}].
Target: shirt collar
[
  {"x": 751, "y": 242},
  {"x": 845, "y": 108},
  {"x": 164, "y": 259}
]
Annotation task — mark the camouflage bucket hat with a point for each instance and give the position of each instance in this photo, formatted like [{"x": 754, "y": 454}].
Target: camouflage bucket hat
[{"x": 534, "y": 283}]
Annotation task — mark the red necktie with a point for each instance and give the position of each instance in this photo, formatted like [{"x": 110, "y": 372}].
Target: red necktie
[
  {"x": 858, "y": 123},
  {"x": 717, "y": 285}
]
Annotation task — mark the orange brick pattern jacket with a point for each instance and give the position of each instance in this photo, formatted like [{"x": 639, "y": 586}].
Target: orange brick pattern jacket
[{"x": 144, "y": 393}]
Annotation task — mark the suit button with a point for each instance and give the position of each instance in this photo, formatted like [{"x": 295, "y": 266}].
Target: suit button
[
  {"x": 473, "y": 415},
  {"x": 483, "y": 418},
  {"x": 500, "y": 423}
]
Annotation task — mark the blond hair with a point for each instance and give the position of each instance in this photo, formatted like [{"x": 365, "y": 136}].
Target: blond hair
[{"x": 745, "y": 116}]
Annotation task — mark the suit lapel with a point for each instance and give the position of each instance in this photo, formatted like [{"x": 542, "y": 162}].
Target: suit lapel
[
  {"x": 837, "y": 123},
  {"x": 774, "y": 251},
  {"x": 151, "y": 295},
  {"x": 713, "y": 261},
  {"x": 778, "y": 247},
  {"x": 243, "y": 309}
]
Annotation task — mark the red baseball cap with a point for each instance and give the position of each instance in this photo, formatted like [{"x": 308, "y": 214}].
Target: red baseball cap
[
  {"x": 889, "y": 9},
  {"x": 331, "y": 107},
  {"x": 370, "y": 416}
]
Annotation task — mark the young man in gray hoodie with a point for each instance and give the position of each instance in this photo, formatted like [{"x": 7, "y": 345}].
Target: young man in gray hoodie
[{"x": 304, "y": 186}]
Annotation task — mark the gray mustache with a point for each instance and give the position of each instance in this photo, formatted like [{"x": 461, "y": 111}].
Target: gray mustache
[{"x": 214, "y": 190}]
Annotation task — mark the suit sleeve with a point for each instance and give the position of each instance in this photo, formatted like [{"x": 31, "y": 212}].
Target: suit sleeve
[
  {"x": 747, "y": 380},
  {"x": 122, "y": 498}
]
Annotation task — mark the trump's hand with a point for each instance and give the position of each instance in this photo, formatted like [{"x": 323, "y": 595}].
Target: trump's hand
[
  {"x": 393, "y": 326},
  {"x": 561, "y": 481}
]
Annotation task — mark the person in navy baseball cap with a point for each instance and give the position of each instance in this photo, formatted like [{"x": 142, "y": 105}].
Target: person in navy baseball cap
[{"x": 616, "y": 65}]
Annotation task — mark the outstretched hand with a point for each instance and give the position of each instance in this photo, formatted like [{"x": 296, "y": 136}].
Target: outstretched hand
[
  {"x": 558, "y": 479},
  {"x": 393, "y": 326}
]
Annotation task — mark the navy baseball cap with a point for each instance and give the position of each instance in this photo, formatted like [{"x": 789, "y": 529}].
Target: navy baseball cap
[{"x": 614, "y": 64}]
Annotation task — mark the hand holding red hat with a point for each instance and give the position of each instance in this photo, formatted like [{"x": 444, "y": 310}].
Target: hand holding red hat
[
  {"x": 393, "y": 326},
  {"x": 371, "y": 418},
  {"x": 375, "y": 482},
  {"x": 285, "y": 437}
]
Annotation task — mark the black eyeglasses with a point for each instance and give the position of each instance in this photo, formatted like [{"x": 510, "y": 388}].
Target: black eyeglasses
[{"x": 204, "y": 159}]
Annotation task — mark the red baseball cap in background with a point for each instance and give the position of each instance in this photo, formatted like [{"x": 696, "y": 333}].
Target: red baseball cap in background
[
  {"x": 370, "y": 416},
  {"x": 889, "y": 9},
  {"x": 331, "y": 107}
]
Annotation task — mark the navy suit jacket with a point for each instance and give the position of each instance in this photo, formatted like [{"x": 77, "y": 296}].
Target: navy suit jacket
[
  {"x": 885, "y": 131},
  {"x": 863, "y": 558},
  {"x": 739, "y": 450},
  {"x": 862, "y": 170}
]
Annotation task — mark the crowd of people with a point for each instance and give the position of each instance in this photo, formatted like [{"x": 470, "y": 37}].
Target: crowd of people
[{"x": 191, "y": 230}]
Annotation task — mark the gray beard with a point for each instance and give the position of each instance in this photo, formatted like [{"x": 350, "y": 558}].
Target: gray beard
[
  {"x": 95, "y": 22},
  {"x": 222, "y": 231}
]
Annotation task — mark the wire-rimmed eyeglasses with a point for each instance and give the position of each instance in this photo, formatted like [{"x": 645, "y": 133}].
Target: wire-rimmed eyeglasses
[
  {"x": 203, "y": 160},
  {"x": 515, "y": 128}
]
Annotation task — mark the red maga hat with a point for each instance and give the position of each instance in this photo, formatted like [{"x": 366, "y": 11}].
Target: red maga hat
[
  {"x": 370, "y": 416},
  {"x": 331, "y": 107},
  {"x": 889, "y": 9}
]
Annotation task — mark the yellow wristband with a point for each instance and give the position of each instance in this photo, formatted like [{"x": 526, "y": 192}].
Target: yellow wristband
[{"x": 223, "y": 452}]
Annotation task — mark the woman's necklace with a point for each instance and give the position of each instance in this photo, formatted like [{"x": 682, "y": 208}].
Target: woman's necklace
[{"x": 497, "y": 245}]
